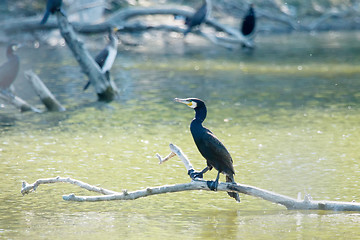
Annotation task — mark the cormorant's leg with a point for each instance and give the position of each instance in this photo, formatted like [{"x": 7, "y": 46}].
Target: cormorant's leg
[
  {"x": 86, "y": 85},
  {"x": 62, "y": 12},
  {"x": 214, "y": 184},
  {"x": 200, "y": 174},
  {"x": 107, "y": 75}
]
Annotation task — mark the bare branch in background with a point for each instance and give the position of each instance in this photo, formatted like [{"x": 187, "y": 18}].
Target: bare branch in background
[
  {"x": 274, "y": 15},
  {"x": 122, "y": 19},
  {"x": 106, "y": 90}
]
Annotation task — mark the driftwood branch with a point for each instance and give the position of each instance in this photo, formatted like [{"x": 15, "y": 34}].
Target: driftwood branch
[
  {"x": 332, "y": 13},
  {"x": 47, "y": 98},
  {"x": 18, "y": 102},
  {"x": 121, "y": 19},
  {"x": 126, "y": 14},
  {"x": 27, "y": 188},
  {"x": 197, "y": 184},
  {"x": 106, "y": 90}
]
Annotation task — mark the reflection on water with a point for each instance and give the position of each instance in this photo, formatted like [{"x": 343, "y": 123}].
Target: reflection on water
[{"x": 288, "y": 113}]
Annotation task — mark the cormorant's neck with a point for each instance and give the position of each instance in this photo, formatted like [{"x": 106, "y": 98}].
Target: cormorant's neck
[
  {"x": 200, "y": 114},
  {"x": 251, "y": 11},
  {"x": 113, "y": 40},
  {"x": 10, "y": 53}
]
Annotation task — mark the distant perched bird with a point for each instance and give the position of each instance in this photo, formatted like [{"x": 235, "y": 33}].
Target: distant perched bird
[
  {"x": 10, "y": 69},
  {"x": 51, "y": 7},
  {"x": 249, "y": 22},
  {"x": 209, "y": 146},
  {"x": 105, "y": 59},
  {"x": 198, "y": 17}
]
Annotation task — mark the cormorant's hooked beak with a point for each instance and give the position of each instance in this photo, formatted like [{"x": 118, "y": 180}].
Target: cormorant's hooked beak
[
  {"x": 16, "y": 46},
  {"x": 188, "y": 102},
  {"x": 115, "y": 31}
]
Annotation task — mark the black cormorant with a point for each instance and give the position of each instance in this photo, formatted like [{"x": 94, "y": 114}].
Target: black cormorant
[
  {"x": 198, "y": 17},
  {"x": 249, "y": 22},
  {"x": 209, "y": 146},
  {"x": 10, "y": 69},
  {"x": 106, "y": 57},
  {"x": 51, "y": 7}
]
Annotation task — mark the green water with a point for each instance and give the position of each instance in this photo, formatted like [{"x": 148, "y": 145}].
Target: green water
[{"x": 288, "y": 113}]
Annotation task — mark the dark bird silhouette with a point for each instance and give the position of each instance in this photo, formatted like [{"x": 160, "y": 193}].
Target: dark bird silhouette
[
  {"x": 209, "y": 146},
  {"x": 249, "y": 22},
  {"x": 51, "y": 7},
  {"x": 10, "y": 69},
  {"x": 197, "y": 19},
  {"x": 105, "y": 59}
]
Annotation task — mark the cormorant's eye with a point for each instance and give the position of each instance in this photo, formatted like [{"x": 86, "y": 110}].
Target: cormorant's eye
[{"x": 192, "y": 104}]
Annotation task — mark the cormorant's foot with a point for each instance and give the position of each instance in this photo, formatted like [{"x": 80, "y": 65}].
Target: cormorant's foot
[
  {"x": 193, "y": 174},
  {"x": 213, "y": 185}
]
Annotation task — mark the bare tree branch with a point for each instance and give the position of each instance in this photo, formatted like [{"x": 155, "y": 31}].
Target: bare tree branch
[
  {"x": 121, "y": 19},
  {"x": 27, "y": 188},
  {"x": 332, "y": 13},
  {"x": 19, "y": 103},
  {"x": 197, "y": 184},
  {"x": 105, "y": 89},
  {"x": 47, "y": 98}
]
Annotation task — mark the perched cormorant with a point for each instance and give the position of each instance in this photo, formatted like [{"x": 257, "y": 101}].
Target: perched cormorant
[
  {"x": 249, "y": 22},
  {"x": 51, "y": 7},
  {"x": 198, "y": 17},
  {"x": 209, "y": 146},
  {"x": 106, "y": 57},
  {"x": 10, "y": 69}
]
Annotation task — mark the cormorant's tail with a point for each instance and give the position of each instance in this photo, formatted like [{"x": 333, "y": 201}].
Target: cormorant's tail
[
  {"x": 86, "y": 86},
  {"x": 45, "y": 18},
  {"x": 107, "y": 75},
  {"x": 232, "y": 194},
  {"x": 187, "y": 31}
]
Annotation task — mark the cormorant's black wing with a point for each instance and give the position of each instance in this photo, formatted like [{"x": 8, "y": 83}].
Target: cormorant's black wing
[
  {"x": 196, "y": 19},
  {"x": 101, "y": 57},
  {"x": 248, "y": 23},
  {"x": 8, "y": 72},
  {"x": 199, "y": 16},
  {"x": 51, "y": 7},
  {"x": 215, "y": 152}
]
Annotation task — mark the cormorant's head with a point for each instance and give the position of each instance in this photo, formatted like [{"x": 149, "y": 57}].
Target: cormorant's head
[
  {"x": 194, "y": 103},
  {"x": 12, "y": 48},
  {"x": 113, "y": 31},
  {"x": 251, "y": 7}
]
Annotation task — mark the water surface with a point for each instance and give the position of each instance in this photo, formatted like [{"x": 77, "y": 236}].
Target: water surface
[{"x": 288, "y": 114}]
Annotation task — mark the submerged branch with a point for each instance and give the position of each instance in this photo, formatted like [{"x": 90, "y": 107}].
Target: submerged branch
[
  {"x": 197, "y": 184},
  {"x": 46, "y": 97},
  {"x": 18, "y": 102}
]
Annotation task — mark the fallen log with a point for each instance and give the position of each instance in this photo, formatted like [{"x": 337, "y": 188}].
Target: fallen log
[
  {"x": 195, "y": 184},
  {"x": 18, "y": 102},
  {"x": 105, "y": 89},
  {"x": 46, "y": 97}
]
